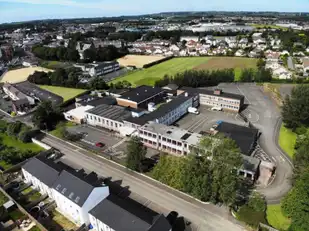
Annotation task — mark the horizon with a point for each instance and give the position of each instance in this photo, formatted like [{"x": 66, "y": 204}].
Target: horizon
[{"x": 13, "y": 11}]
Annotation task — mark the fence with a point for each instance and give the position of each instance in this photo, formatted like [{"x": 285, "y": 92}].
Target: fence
[
  {"x": 41, "y": 227},
  {"x": 267, "y": 227}
]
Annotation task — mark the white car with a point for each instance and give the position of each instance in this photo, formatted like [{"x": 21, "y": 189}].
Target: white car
[{"x": 216, "y": 108}]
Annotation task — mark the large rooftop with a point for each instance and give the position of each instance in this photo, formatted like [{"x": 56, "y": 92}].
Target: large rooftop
[
  {"x": 172, "y": 132},
  {"x": 141, "y": 93},
  {"x": 112, "y": 112},
  {"x": 243, "y": 136}
]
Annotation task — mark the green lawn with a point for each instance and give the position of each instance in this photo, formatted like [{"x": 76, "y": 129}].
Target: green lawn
[
  {"x": 54, "y": 64},
  {"x": 287, "y": 140},
  {"x": 12, "y": 142},
  {"x": 64, "y": 92},
  {"x": 3, "y": 199},
  {"x": 16, "y": 214},
  {"x": 5, "y": 165},
  {"x": 276, "y": 219},
  {"x": 57, "y": 133},
  {"x": 268, "y": 26},
  {"x": 150, "y": 75}
]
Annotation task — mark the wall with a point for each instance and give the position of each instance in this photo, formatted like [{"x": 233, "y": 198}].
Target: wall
[
  {"x": 126, "y": 103},
  {"x": 68, "y": 208},
  {"x": 97, "y": 195},
  {"x": 41, "y": 144}
]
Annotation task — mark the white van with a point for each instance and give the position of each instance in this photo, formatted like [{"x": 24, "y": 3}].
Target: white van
[{"x": 216, "y": 108}]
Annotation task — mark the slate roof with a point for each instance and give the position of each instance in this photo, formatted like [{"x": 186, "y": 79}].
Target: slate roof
[
  {"x": 72, "y": 187},
  {"x": 98, "y": 101},
  {"x": 126, "y": 215},
  {"x": 210, "y": 92},
  {"x": 33, "y": 90},
  {"x": 118, "y": 218},
  {"x": 243, "y": 136},
  {"x": 44, "y": 170},
  {"x": 141, "y": 93}
]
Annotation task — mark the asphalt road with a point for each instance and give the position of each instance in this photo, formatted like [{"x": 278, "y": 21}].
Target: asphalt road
[
  {"x": 265, "y": 115},
  {"x": 204, "y": 217}
]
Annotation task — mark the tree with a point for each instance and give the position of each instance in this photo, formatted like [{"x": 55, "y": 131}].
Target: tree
[
  {"x": 295, "y": 205},
  {"x": 46, "y": 116},
  {"x": 98, "y": 83},
  {"x": 261, "y": 63},
  {"x": 136, "y": 152},
  {"x": 247, "y": 75},
  {"x": 14, "y": 128},
  {"x": 295, "y": 110}
]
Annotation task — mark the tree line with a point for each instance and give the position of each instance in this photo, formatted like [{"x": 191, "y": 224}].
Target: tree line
[
  {"x": 18, "y": 130},
  {"x": 295, "y": 114},
  {"x": 57, "y": 53}
]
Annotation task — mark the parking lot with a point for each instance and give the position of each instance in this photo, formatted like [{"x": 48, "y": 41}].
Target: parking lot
[{"x": 207, "y": 118}]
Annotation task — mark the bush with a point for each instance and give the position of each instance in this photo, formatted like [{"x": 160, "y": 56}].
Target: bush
[{"x": 251, "y": 217}]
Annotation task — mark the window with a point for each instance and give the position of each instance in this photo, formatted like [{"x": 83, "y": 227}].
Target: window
[
  {"x": 99, "y": 119},
  {"x": 154, "y": 136}
]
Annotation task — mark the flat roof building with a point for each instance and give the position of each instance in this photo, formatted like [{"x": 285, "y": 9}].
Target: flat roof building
[
  {"x": 217, "y": 98},
  {"x": 141, "y": 96}
]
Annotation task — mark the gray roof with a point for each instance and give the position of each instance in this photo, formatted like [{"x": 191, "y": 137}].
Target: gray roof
[
  {"x": 47, "y": 172},
  {"x": 34, "y": 91},
  {"x": 250, "y": 163},
  {"x": 72, "y": 187},
  {"x": 112, "y": 112},
  {"x": 118, "y": 218},
  {"x": 160, "y": 224},
  {"x": 141, "y": 93}
]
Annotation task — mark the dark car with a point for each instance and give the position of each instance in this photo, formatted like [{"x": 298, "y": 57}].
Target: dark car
[{"x": 99, "y": 144}]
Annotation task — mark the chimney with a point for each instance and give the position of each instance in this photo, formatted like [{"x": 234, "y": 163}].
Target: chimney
[{"x": 217, "y": 91}]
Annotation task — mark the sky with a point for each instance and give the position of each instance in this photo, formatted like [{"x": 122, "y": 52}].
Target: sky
[{"x": 23, "y": 10}]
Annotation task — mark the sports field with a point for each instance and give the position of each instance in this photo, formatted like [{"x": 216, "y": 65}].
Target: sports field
[
  {"x": 149, "y": 75},
  {"x": 19, "y": 75},
  {"x": 138, "y": 60},
  {"x": 64, "y": 92}
]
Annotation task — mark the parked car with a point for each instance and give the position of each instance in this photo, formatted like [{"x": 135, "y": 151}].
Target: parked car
[
  {"x": 216, "y": 108},
  {"x": 99, "y": 144}
]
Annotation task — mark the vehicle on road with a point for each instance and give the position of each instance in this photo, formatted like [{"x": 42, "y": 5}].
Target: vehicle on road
[
  {"x": 193, "y": 110},
  {"x": 216, "y": 108},
  {"x": 99, "y": 144}
]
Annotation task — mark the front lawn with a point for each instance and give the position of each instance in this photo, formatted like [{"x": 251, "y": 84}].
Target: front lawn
[
  {"x": 276, "y": 219},
  {"x": 15, "y": 143},
  {"x": 65, "y": 92},
  {"x": 287, "y": 140}
]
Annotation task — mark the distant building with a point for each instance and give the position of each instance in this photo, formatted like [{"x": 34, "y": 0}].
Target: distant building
[
  {"x": 217, "y": 98},
  {"x": 98, "y": 69}
]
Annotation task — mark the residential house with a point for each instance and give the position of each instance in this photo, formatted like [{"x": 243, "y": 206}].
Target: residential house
[
  {"x": 174, "y": 48},
  {"x": 76, "y": 194},
  {"x": 240, "y": 53},
  {"x": 103, "y": 217},
  {"x": 306, "y": 65},
  {"x": 81, "y": 47}
]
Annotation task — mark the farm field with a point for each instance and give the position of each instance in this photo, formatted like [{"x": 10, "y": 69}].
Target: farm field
[
  {"x": 276, "y": 219},
  {"x": 138, "y": 60},
  {"x": 149, "y": 75},
  {"x": 19, "y": 75},
  {"x": 268, "y": 26},
  {"x": 64, "y": 92}
]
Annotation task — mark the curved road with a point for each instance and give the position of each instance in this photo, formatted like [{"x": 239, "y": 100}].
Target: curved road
[{"x": 266, "y": 116}]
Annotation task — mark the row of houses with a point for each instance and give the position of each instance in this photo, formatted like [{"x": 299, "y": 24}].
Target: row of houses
[
  {"x": 85, "y": 199},
  {"x": 23, "y": 96}
]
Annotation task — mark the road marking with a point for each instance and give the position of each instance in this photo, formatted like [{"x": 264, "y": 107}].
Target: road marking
[{"x": 243, "y": 94}]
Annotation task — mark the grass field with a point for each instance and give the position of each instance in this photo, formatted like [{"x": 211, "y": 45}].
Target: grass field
[
  {"x": 12, "y": 142},
  {"x": 268, "y": 26},
  {"x": 276, "y": 219},
  {"x": 54, "y": 64},
  {"x": 19, "y": 75},
  {"x": 148, "y": 76},
  {"x": 64, "y": 92},
  {"x": 138, "y": 60},
  {"x": 287, "y": 140}
]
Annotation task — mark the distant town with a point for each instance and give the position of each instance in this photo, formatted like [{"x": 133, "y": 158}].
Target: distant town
[{"x": 163, "y": 122}]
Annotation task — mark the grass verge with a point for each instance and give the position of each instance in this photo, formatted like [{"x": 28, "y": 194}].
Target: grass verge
[
  {"x": 276, "y": 219},
  {"x": 287, "y": 140},
  {"x": 64, "y": 92}
]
